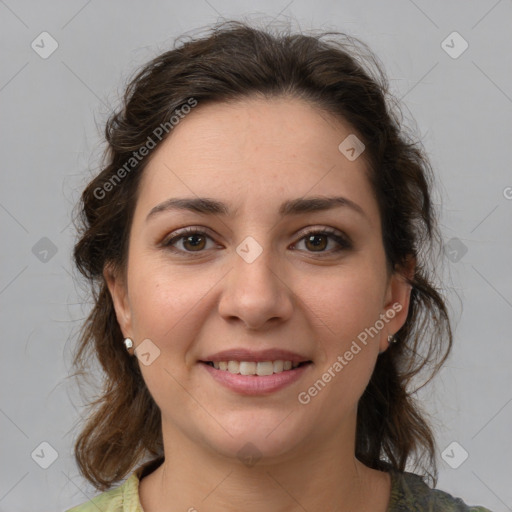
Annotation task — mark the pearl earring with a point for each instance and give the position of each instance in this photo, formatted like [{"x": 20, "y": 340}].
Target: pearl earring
[
  {"x": 391, "y": 339},
  {"x": 128, "y": 343}
]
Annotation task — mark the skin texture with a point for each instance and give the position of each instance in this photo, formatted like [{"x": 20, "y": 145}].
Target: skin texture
[{"x": 254, "y": 154}]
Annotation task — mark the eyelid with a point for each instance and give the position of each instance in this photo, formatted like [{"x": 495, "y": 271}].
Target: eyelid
[
  {"x": 321, "y": 230},
  {"x": 344, "y": 242},
  {"x": 180, "y": 233}
]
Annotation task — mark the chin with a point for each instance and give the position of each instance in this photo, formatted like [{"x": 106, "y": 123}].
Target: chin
[{"x": 257, "y": 436}]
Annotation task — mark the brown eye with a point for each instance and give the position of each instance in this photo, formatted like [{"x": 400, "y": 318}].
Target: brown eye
[
  {"x": 194, "y": 242},
  {"x": 324, "y": 242},
  {"x": 188, "y": 241},
  {"x": 316, "y": 242}
]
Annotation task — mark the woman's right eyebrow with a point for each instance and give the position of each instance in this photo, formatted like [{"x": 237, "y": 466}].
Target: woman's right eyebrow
[{"x": 208, "y": 206}]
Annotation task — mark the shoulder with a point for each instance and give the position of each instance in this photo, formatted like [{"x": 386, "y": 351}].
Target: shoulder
[
  {"x": 124, "y": 498},
  {"x": 410, "y": 493}
]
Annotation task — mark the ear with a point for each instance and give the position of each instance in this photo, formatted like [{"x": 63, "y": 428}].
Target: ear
[
  {"x": 118, "y": 291},
  {"x": 397, "y": 300}
]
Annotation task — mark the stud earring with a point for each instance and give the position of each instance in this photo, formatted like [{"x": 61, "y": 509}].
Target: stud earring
[
  {"x": 391, "y": 339},
  {"x": 128, "y": 343}
]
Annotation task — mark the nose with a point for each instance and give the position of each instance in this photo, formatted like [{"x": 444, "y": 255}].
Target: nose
[{"x": 256, "y": 293}]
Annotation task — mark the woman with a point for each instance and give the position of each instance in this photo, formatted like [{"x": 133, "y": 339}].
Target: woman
[{"x": 258, "y": 242}]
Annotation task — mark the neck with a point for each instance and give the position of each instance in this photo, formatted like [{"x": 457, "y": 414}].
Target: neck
[{"x": 321, "y": 477}]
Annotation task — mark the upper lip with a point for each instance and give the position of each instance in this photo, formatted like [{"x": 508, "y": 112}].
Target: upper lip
[{"x": 243, "y": 354}]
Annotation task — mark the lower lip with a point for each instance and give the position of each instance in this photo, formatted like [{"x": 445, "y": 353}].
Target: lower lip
[{"x": 256, "y": 384}]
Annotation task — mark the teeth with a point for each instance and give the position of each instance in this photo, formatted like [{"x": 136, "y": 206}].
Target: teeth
[
  {"x": 247, "y": 368},
  {"x": 255, "y": 368},
  {"x": 233, "y": 367},
  {"x": 265, "y": 368},
  {"x": 278, "y": 366}
]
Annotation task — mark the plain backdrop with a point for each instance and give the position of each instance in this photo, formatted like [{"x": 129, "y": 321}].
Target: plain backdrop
[{"x": 52, "y": 115}]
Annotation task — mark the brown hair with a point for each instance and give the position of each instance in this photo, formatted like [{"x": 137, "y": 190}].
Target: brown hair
[{"x": 341, "y": 76}]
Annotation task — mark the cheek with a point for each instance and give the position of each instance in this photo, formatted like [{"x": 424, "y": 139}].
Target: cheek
[
  {"x": 345, "y": 302},
  {"x": 166, "y": 303},
  {"x": 166, "y": 307},
  {"x": 346, "y": 307}
]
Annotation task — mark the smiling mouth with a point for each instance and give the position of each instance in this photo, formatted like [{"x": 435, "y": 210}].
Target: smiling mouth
[{"x": 260, "y": 368}]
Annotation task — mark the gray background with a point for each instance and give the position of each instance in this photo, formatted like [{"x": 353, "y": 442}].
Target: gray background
[{"x": 52, "y": 112}]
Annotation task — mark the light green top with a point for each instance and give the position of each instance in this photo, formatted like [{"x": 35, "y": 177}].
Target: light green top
[
  {"x": 124, "y": 498},
  {"x": 408, "y": 493}
]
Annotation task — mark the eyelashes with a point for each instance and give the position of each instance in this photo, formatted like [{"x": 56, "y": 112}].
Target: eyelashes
[
  {"x": 341, "y": 241},
  {"x": 187, "y": 234},
  {"x": 194, "y": 241}
]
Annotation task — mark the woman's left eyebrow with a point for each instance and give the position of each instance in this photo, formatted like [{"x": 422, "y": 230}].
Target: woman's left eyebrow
[{"x": 208, "y": 206}]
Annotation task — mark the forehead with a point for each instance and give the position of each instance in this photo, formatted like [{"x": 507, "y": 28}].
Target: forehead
[{"x": 254, "y": 152}]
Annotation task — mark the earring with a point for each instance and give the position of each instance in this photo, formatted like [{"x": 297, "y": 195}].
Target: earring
[
  {"x": 391, "y": 339},
  {"x": 128, "y": 343}
]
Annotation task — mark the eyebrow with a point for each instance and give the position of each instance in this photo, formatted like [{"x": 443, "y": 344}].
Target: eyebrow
[{"x": 207, "y": 206}]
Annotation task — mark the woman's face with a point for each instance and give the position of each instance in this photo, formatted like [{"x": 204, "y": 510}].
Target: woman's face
[{"x": 271, "y": 275}]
